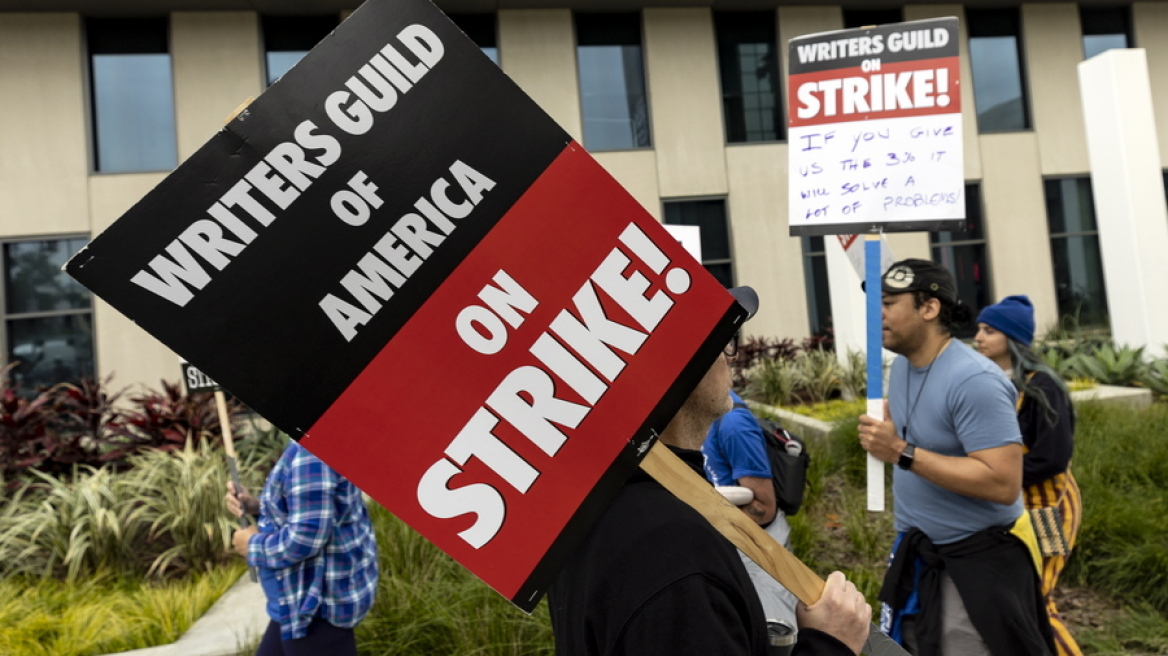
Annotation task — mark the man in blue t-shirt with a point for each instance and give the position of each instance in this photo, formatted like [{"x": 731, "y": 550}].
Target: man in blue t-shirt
[
  {"x": 735, "y": 455},
  {"x": 962, "y": 580}
]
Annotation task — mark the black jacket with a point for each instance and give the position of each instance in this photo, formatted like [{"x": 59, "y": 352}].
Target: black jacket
[
  {"x": 998, "y": 583},
  {"x": 654, "y": 577}
]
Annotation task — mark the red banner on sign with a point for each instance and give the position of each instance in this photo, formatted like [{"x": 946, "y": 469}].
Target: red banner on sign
[{"x": 551, "y": 385}]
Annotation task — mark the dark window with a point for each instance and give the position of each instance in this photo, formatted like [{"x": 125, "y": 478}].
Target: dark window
[
  {"x": 288, "y": 38},
  {"x": 1074, "y": 248},
  {"x": 132, "y": 95},
  {"x": 1105, "y": 28},
  {"x": 710, "y": 217},
  {"x": 612, "y": 81},
  {"x": 749, "y": 64},
  {"x": 48, "y": 316},
  {"x": 481, "y": 29},
  {"x": 816, "y": 284},
  {"x": 854, "y": 18},
  {"x": 996, "y": 62},
  {"x": 963, "y": 252}
]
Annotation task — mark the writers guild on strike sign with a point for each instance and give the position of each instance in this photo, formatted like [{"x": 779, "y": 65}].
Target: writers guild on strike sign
[{"x": 580, "y": 340}]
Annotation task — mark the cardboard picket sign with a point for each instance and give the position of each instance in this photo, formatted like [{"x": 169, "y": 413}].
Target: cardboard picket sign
[
  {"x": 875, "y": 130},
  {"x": 195, "y": 380},
  {"x": 399, "y": 259}
]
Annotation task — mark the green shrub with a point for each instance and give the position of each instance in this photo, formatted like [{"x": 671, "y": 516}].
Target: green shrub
[
  {"x": 854, "y": 376},
  {"x": 1060, "y": 358},
  {"x": 428, "y": 604},
  {"x": 164, "y": 516},
  {"x": 773, "y": 381},
  {"x": 181, "y": 500},
  {"x": 1110, "y": 365},
  {"x": 832, "y": 411},
  {"x": 1121, "y": 464},
  {"x": 818, "y": 374},
  {"x": 45, "y": 617},
  {"x": 71, "y": 529},
  {"x": 1155, "y": 377}
]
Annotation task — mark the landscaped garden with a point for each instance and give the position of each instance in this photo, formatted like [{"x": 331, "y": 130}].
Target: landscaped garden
[
  {"x": 112, "y": 529},
  {"x": 113, "y": 534}
]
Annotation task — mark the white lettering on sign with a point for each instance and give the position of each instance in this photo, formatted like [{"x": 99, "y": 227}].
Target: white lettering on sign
[
  {"x": 874, "y": 93},
  {"x": 403, "y": 249},
  {"x": 580, "y": 342},
  {"x": 481, "y": 327},
  {"x": 376, "y": 85},
  {"x": 197, "y": 380},
  {"x": 911, "y": 40},
  {"x": 291, "y": 167}
]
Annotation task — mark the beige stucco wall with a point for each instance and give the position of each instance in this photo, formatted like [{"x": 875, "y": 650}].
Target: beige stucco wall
[
  {"x": 537, "y": 49},
  {"x": 1016, "y": 229},
  {"x": 1150, "y": 23},
  {"x": 46, "y": 188},
  {"x": 122, "y": 348},
  {"x": 1054, "y": 45},
  {"x": 801, "y": 20},
  {"x": 43, "y": 153},
  {"x": 681, "y": 69},
  {"x": 766, "y": 257},
  {"x": 636, "y": 171},
  {"x": 217, "y": 67}
]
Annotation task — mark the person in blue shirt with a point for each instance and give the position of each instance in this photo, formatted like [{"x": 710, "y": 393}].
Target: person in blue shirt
[
  {"x": 315, "y": 552},
  {"x": 735, "y": 455},
  {"x": 963, "y": 578}
]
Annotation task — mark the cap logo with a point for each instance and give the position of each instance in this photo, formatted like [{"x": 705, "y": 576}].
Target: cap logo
[{"x": 899, "y": 277}]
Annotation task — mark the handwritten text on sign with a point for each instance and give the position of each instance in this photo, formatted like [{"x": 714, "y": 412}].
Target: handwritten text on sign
[
  {"x": 880, "y": 170},
  {"x": 875, "y": 136}
]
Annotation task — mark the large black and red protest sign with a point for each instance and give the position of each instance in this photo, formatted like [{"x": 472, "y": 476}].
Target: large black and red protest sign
[
  {"x": 875, "y": 130},
  {"x": 396, "y": 257}
]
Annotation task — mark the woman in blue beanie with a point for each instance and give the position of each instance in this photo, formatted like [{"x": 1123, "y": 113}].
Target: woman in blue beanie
[{"x": 1047, "y": 420}]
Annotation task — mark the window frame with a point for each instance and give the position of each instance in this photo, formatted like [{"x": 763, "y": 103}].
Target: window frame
[
  {"x": 6, "y": 317},
  {"x": 1015, "y": 15},
  {"x": 973, "y": 203},
  {"x": 811, "y": 284},
  {"x": 1105, "y": 308},
  {"x": 776, "y": 62},
  {"x": 1087, "y": 26},
  {"x": 305, "y": 23},
  {"x": 595, "y": 17},
  {"x": 707, "y": 262},
  {"x": 110, "y": 41}
]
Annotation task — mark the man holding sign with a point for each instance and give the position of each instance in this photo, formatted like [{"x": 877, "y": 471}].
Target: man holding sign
[
  {"x": 655, "y": 577},
  {"x": 953, "y": 434}
]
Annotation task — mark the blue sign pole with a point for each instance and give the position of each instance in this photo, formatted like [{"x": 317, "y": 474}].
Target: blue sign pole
[{"x": 875, "y": 362}]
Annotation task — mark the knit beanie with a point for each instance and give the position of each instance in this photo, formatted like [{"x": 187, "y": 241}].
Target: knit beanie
[{"x": 1014, "y": 316}]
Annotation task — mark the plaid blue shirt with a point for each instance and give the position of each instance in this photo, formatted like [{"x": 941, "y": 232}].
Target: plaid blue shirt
[{"x": 316, "y": 538}]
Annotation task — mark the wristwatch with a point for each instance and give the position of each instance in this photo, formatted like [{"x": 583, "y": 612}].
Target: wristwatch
[{"x": 906, "y": 456}]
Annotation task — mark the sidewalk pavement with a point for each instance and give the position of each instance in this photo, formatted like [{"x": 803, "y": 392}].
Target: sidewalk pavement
[{"x": 238, "y": 619}]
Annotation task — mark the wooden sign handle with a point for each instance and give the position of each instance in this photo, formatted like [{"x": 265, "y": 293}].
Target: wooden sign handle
[
  {"x": 731, "y": 522},
  {"x": 232, "y": 461}
]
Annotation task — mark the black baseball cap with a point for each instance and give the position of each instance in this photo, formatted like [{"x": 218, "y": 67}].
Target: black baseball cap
[
  {"x": 915, "y": 275},
  {"x": 747, "y": 298}
]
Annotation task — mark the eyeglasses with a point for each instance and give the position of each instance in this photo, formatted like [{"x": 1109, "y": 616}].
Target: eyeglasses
[{"x": 731, "y": 349}]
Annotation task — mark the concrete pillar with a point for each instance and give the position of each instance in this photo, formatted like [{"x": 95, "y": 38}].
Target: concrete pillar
[{"x": 1130, "y": 211}]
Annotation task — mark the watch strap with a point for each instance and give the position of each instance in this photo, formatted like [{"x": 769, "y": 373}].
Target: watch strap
[{"x": 906, "y": 456}]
